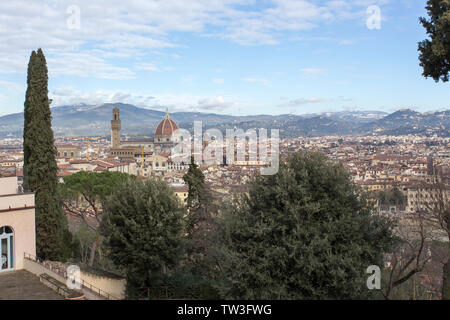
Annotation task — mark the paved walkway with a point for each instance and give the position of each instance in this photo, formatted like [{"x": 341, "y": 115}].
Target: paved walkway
[{"x": 23, "y": 285}]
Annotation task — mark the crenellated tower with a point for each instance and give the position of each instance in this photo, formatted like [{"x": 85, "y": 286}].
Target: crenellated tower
[{"x": 115, "y": 128}]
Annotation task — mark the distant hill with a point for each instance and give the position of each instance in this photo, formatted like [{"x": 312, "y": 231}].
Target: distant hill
[
  {"x": 95, "y": 120},
  {"x": 408, "y": 121}
]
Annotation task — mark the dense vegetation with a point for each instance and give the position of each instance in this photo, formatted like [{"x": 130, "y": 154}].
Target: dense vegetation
[{"x": 304, "y": 233}]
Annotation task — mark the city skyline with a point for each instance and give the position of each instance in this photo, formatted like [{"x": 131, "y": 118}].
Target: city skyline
[{"x": 226, "y": 57}]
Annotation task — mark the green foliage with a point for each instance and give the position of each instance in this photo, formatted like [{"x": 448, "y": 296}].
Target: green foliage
[
  {"x": 83, "y": 238},
  {"x": 142, "y": 226},
  {"x": 435, "y": 59},
  {"x": 95, "y": 186},
  {"x": 69, "y": 247},
  {"x": 303, "y": 233},
  {"x": 183, "y": 283},
  {"x": 195, "y": 180},
  {"x": 435, "y": 52},
  {"x": 40, "y": 166},
  {"x": 200, "y": 227},
  {"x": 391, "y": 197}
]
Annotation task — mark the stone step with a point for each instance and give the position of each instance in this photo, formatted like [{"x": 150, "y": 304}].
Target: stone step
[{"x": 60, "y": 287}]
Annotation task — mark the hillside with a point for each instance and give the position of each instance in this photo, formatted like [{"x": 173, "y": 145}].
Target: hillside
[{"x": 95, "y": 120}]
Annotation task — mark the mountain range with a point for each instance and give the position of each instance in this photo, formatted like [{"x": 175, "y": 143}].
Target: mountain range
[{"x": 83, "y": 120}]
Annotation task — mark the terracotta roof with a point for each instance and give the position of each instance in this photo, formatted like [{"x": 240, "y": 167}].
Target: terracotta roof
[{"x": 64, "y": 173}]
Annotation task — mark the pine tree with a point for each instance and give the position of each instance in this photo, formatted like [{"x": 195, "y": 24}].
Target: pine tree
[
  {"x": 303, "y": 233},
  {"x": 142, "y": 225},
  {"x": 435, "y": 52},
  {"x": 40, "y": 168}
]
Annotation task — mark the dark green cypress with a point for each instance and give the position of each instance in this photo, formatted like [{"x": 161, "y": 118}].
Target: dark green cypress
[
  {"x": 40, "y": 168},
  {"x": 27, "y": 111}
]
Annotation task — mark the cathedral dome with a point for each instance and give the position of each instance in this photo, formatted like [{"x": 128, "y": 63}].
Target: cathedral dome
[{"x": 166, "y": 127}]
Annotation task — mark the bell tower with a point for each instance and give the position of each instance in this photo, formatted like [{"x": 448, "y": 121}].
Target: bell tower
[{"x": 115, "y": 128}]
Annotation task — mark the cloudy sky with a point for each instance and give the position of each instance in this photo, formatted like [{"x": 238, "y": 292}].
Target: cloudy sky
[{"x": 224, "y": 56}]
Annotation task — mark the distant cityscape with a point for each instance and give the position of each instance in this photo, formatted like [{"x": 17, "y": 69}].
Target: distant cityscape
[
  {"x": 249, "y": 151},
  {"x": 375, "y": 162}
]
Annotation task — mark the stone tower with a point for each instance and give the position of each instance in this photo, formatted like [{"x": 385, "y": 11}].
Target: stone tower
[{"x": 115, "y": 128}]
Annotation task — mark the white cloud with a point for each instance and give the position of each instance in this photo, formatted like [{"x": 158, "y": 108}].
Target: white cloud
[
  {"x": 87, "y": 65},
  {"x": 175, "y": 102},
  {"x": 257, "y": 80},
  {"x": 12, "y": 85},
  {"x": 215, "y": 103},
  {"x": 147, "y": 67},
  {"x": 127, "y": 29},
  {"x": 301, "y": 102}
]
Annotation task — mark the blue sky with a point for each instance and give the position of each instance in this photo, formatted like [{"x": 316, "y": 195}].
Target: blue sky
[{"x": 224, "y": 56}]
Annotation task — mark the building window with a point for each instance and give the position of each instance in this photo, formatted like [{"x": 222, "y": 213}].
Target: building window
[{"x": 6, "y": 248}]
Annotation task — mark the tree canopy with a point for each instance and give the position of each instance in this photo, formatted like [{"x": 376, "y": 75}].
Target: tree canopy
[
  {"x": 435, "y": 52},
  {"x": 93, "y": 187},
  {"x": 142, "y": 226},
  {"x": 303, "y": 233}
]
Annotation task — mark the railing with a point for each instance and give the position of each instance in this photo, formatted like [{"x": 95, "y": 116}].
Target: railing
[{"x": 62, "y": 272}]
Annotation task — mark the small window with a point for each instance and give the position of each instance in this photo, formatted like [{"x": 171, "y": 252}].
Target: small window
[{"x": 5, "y": 230}]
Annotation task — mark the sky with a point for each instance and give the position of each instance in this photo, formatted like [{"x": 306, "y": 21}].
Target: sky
[{"x": 236, "y": 57}]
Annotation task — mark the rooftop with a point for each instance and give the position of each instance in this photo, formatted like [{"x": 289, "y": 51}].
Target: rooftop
[{"x": 23, "y": 285}]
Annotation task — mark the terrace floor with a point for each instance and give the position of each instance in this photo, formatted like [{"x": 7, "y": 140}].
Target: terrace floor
[{"x": 23, "y": 285}]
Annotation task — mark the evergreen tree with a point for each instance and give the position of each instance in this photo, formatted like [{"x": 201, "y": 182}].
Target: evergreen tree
[
  {"x": 435, "y": 52},
  {"x": 200, "y": 223},
  {"x": 435, "y": 59},
  {"x": 142, "y": 225},
  {"x": 40, "y": 168},
  {"x": 303, "y": 233},
  {"x": 196, "y": 184}
]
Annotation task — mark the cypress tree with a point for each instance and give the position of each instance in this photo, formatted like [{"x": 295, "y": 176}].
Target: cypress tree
[
  {"x": 40, "y": 168},
  {"x": 202, "y": 207}
]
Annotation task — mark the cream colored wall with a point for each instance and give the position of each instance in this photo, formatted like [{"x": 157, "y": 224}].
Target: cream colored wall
[
  {"x": 23, "y": 225},
  {"x": 8, "y": 185},
  {"x": 115, "y": 287},
  {"x": 83, "y": 166},
  {"x": 17, "y": 201},
  {"x": 182, "y": 196},
  {"x": 21, "y": 221}
]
